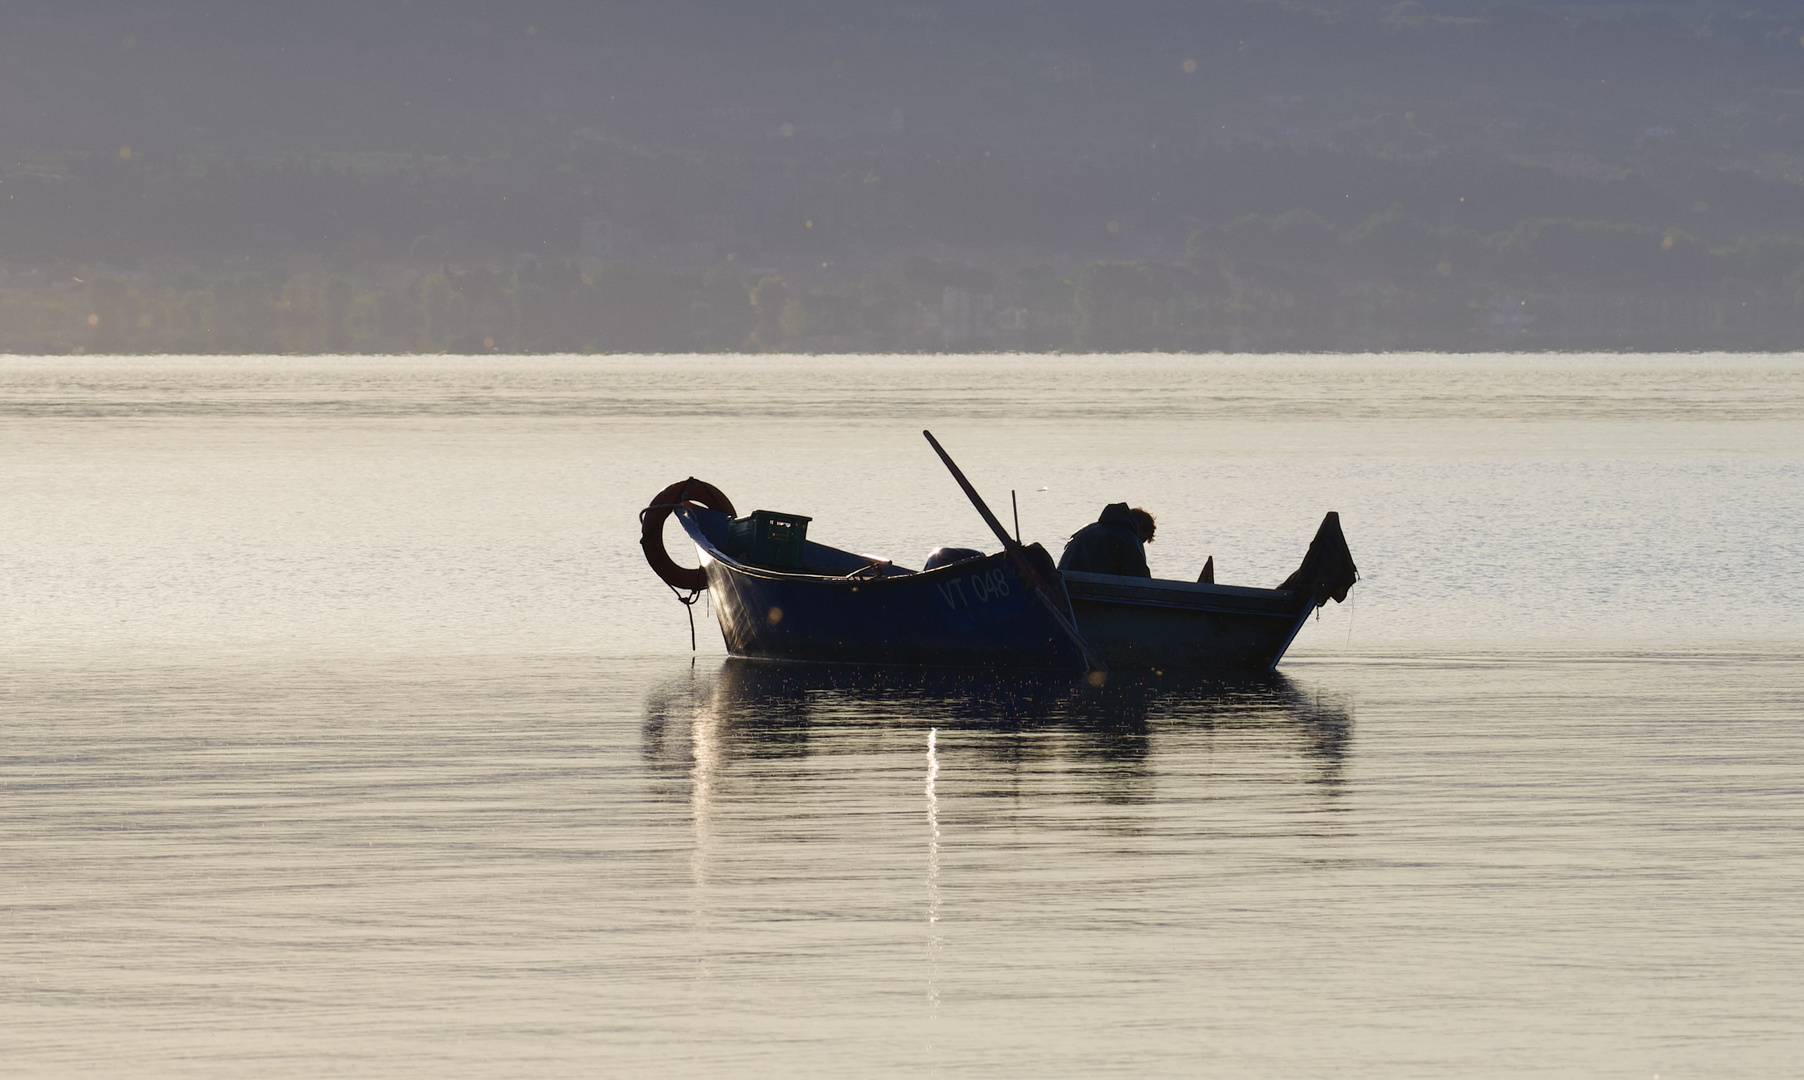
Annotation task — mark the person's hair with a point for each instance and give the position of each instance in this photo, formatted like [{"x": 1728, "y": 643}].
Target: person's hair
[{"x": 1143, "y": 524}]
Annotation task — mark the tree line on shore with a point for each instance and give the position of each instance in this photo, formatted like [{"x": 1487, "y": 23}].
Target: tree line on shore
[{"x": 1289, "y": 281}]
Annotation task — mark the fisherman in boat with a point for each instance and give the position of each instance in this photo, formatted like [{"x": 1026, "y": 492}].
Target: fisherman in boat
[{"x": 1114, "y": 543}]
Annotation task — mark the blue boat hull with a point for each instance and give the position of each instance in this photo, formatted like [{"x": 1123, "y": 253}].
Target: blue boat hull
[
  {"x": 1178, "y": 626},
  {"x": 974, "y": 613},
  {"x": 979, "y": 613}
]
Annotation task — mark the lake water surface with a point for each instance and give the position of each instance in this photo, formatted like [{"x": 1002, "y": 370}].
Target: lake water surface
[{"x": 343, "y": 730}]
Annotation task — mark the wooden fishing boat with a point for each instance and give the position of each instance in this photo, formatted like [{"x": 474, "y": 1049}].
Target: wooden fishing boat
[{"x": 794, "y": 599}]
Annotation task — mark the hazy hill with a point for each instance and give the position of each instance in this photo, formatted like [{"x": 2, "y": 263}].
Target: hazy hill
[{"x": 1268, "y": 175}]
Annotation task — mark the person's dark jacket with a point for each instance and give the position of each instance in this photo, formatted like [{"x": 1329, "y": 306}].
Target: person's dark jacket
[{"x": 1110, "y": 545}]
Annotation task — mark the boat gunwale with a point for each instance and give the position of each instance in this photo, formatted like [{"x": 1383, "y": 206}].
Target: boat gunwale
[
  {"x": 711, "y": 551},
  {"x": 1198, "y": 589},
  {"x": 1212, "y": 609},
  {"x": 1190, "y": 595}
]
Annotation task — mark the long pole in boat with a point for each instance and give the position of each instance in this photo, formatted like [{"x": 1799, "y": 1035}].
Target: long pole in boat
[{"x": 1029, "y": 573}]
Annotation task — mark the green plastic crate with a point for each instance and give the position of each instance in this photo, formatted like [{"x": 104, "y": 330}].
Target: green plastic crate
[{"x": 768, "y": 538}]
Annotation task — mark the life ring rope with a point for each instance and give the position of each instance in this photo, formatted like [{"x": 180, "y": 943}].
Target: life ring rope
[{"x": 651, "y": 530}]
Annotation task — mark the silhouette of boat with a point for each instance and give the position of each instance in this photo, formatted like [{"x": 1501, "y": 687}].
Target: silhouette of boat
[{"x": 779, "y": 596}]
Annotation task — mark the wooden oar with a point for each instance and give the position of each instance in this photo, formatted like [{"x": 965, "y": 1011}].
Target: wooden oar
[{"x": 1028, "y": 572}]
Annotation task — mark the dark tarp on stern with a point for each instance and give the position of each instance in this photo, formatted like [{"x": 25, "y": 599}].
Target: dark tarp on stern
[{"x": 1327, "y": 571}]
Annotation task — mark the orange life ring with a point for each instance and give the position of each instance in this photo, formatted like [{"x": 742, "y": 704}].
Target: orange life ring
[{"x": 651, "y": 530}]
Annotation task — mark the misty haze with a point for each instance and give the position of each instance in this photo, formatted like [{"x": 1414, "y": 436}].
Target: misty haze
[{"x": 428, "y": 176}]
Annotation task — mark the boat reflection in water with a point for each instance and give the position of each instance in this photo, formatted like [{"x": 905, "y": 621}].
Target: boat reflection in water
[
  {"x": 748, "y": 711},
  {"x": 878, "y": 798}
]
